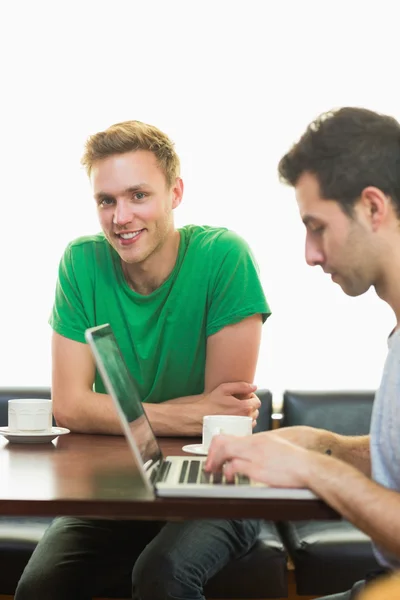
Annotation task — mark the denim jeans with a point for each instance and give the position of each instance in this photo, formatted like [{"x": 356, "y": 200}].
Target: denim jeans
[
  {"x": 359, "y": 586},
  {"x": 80, "y": 558},
  {"x": 349, "y": 595}
]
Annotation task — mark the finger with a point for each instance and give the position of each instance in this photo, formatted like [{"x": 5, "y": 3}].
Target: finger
[
  {"x": 238, "y": 387},
  {"x": 227, "y": 447},
  {"x": 239, "y": 466},
  {"x": 253, "y": 401},
  {"x": 218, "y": 452},
  {"x": 249, "y": 408},
  {"x": 227, "y": 470},
  {"x": 253, "y": 397}
]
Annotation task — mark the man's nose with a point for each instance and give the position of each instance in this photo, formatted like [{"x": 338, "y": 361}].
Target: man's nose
[
  {"x": 122, "y": 214},
  {"x": 314, "y": 254}
]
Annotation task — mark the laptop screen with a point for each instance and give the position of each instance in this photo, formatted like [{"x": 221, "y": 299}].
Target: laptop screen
[{"x": 123, "y": 389}]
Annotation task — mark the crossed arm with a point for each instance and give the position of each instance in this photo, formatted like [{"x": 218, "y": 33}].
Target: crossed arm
[
  {"x": 295, "y": 457},
  {"x": 231, "y": 358}
]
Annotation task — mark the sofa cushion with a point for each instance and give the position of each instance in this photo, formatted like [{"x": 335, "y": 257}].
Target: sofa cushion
[
  {"x": 347, "y": 413},
  {"x": 328, "y": 557},
  {"x": 264, "y": 421}
]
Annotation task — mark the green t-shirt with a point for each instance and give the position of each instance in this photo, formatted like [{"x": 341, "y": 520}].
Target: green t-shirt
[{"x": 162, "y": 336}]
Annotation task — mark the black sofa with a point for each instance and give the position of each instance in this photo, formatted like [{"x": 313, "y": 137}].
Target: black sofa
[
  {"x": 261, "y": 573},
  {"x": 328, "y": 556}
]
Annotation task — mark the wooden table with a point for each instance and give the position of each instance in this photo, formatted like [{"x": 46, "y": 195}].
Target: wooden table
[{"x": 91, "y": 476}]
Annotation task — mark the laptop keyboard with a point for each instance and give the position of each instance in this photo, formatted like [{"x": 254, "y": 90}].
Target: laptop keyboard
[{"x": 192, "y": 471}]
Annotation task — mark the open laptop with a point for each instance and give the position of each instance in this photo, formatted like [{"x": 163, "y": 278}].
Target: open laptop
[{"x": 171, "y": 475}]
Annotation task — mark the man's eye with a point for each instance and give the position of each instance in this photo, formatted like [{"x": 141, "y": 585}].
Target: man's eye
[
  {"x": 317, "y": 230},
  {"x": 106, "y": 202},
  {"x": 139, "y": 196}
]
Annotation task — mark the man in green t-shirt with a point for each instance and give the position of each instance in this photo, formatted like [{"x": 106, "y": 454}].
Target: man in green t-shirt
[{"x": 187, "y": 308}]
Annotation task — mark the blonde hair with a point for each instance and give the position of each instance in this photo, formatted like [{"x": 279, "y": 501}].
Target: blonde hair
[{"x": 130, "y": 136}]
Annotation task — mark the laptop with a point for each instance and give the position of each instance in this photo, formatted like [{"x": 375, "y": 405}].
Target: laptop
[{"x": 173, "y": 476}]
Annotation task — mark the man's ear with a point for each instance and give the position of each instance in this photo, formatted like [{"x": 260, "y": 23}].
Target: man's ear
[
  {"x": 177, "y": 192},
  {"x": 375, "y": 205}
]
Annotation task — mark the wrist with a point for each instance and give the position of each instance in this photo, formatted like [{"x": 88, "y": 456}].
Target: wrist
[{"x": 310, "y": 468}]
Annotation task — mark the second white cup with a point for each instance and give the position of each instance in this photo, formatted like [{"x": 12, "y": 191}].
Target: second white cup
[
  {"x": 29, "y": 415},
  {"x": 229, "y": 424}
]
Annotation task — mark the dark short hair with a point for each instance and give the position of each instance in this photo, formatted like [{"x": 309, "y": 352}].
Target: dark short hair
[{"x": 348, "y": 150}]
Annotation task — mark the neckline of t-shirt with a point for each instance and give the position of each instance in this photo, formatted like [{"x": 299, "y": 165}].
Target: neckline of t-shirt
[{"x": 146, "y": 297}]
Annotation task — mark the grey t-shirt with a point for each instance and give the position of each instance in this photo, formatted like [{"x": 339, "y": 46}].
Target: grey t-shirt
[{"x": 385, "y": 434}]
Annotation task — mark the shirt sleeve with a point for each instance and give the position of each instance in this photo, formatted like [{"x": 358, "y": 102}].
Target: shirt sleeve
[
  {"x": 68, "y": 317},
  {"x": 236, "y": 291}
]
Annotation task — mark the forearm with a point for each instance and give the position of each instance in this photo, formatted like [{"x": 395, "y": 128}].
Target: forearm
[
  {"x": 180, "y": 416},
  {"x": 351, "y": 449},
  {"x": 354, "y": 450},
  {"x": 369, "y": 506},
  {"x": 96, "y": 413},
  {"x": 90, "y": 413},
  {"x": 185, "y": 399}
]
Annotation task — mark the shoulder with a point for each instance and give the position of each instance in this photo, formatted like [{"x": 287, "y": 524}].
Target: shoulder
[
  {"x": 85, "y": 256},
  {"x": 218, "y": 240},
  {"x": 87, "y": 243},
  {"x": 86, "y": 246}
]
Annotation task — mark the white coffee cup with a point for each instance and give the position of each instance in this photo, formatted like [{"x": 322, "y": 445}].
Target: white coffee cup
[
  {"x": 29, "y": 415},
  {"x": 229, "y": 424}
]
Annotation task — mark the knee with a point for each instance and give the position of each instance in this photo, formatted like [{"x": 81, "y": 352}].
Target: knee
[
  {"x": 159, "y": 577},
  {"x": 32, "y": 586},
  {"x": 47, "y": 581}
]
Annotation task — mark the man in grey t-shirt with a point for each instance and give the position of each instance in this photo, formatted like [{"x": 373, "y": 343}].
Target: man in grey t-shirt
[{"x": 346, "y": 173}]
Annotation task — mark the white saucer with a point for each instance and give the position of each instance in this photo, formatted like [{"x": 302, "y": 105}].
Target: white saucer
[
  {"x": 32, "y": 438},
  {"x": 195, "y": 449}
]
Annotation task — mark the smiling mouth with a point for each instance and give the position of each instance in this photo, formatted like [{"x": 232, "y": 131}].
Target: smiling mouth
[{"x": 129, "y": 236}]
